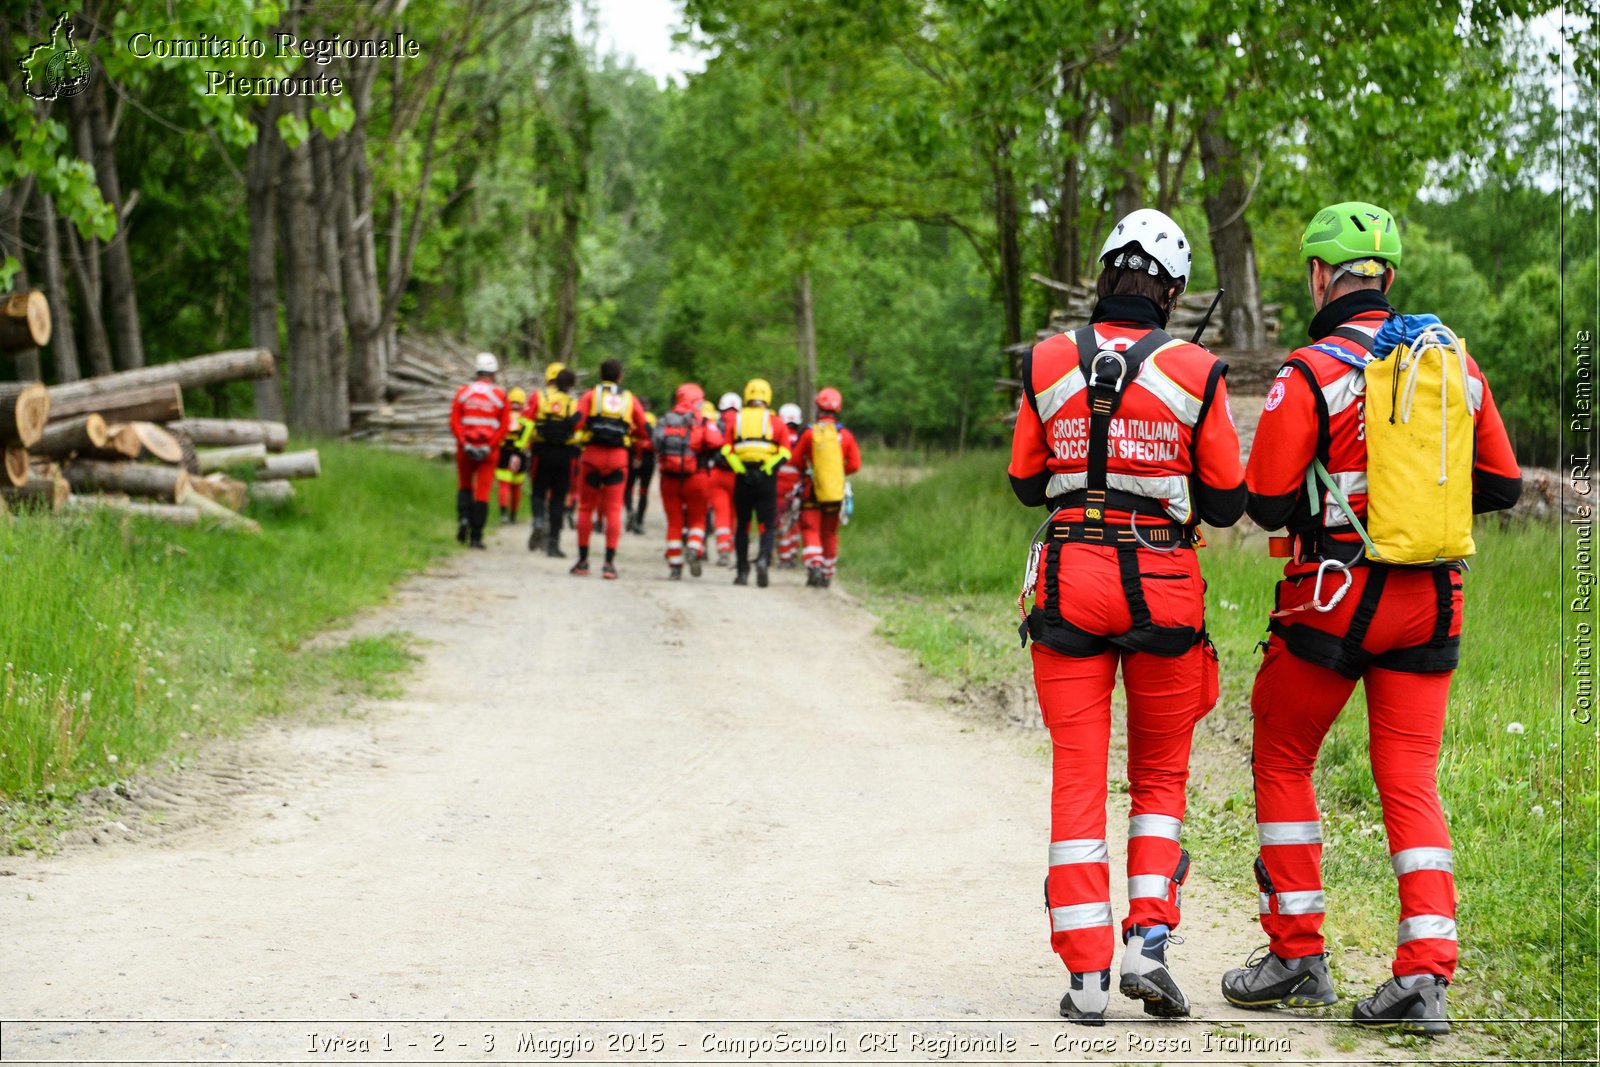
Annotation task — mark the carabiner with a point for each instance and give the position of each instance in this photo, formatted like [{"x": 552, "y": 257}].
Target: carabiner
[
  {"x": 1133, "y": 525},
  {"x": 1316, "y": 590}
]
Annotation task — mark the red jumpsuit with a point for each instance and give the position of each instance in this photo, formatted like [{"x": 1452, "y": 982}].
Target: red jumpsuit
[
  {"x": 720, "y": 485},
  {"x": 1397, "y": 630},
  {"x": 480, "y": 417},
  {"x": 788, "y": 537},
  {"x": 685, "y": 482},
  {"x": 819, "y": 523},
  {"x": 603, "y": 466},
  {"x": 1171, "y": 459}
]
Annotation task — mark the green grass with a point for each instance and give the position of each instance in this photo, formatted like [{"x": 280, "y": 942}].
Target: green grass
[
  {"x": 123, "y": 640},
  {"x": 942, "y": 561}
]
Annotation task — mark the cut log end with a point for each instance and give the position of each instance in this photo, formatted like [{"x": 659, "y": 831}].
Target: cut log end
[
  {"x": 24, "y": 321},
  {"x": 16, "y": 466}
]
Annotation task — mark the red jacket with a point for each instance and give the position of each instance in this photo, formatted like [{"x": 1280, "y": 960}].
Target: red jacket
[
  {"x": 480, "y": 414},
  {"x": 847, "y": 445},
  {"x": 1172, "y": 439},
  {"x": 704, "y": 435},
  {"x": 1287, "y": 437}
]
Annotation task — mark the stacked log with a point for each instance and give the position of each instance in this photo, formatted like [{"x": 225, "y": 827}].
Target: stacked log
[
  {"x": 120, "y": 443},
  {"x": 423, "y": 378}
]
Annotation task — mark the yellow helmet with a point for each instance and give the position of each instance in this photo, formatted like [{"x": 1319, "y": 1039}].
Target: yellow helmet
[
  {"x": 518, "y": 395},
  {"x": 551, "y": 370},
  {"x": 708, "y": 409},
  {"x": 758, "y": 391}
]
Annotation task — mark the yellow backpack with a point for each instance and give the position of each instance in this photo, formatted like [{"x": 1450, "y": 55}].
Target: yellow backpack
[
  {"x": 1419, "y": 432},
  {"x": 827, "y": 463}
]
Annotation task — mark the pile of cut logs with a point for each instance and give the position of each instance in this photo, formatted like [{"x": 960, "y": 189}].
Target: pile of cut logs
[
  {"x": 423, "y": 378},
  {"x": 120, "y": 442}
]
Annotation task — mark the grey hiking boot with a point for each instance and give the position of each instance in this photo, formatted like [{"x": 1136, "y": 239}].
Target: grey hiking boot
[
  {"x": 1145, "y": 976},
  {"x": 1415, "y": 1003},
  {"x": 1267, "y": 980},
  {"x": 1087, "y": 998}
]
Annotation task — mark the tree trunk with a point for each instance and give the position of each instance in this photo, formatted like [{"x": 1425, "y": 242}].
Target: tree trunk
[
  {"x": 24, "y": 411},
  {"x": 135, "y": 479},
  {"x": 13, "y": 205},
  {"x": 335, "y": 395},
  {"x": 221, "y": 459},
  {"x": 169, "y": 513},
  {"x": 369, "y": 354},
  {"x": 261, "y": 195},
  {"x": 275, "y": 493},
  {"x": 1006, "y": 223},
  {"x": 1067, "y": 258},
  {"x": 308, "y": 363},
  {"x": 161, "y": 402},
  {"x": 81, "y": 433},
  {"x": 63, "y": 341},
  {"x": 806, "y": 342},
  {"x": 45, "y": 492},
  {"x": 291, "y": 465},
  {"x": 1129, "y": 192},
  {"x": 84, "y": 255},
  {"x": 1232, "y": 246},
  {"x": 225, "y": 432},
  {"x": 118, "y": 264},
  {"x": 237, "y": 365}
]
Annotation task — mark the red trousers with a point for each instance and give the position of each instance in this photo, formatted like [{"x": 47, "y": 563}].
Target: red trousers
[
  {"x": 511, "y": 497},
  {"x": 1295, "y": 703},
  {"x": 1166, "y": 696},
  {"x": 819, "y": 528},
  {"x": 721, "y": 501},
  {"x": 475, "y": 474},
  {"x": 788, "y": 539},
  {"x": 602, "y": 473},
  {"x": 683, "y": 498}
]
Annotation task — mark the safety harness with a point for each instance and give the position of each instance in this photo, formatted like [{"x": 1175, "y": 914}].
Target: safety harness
[{"x": 1107, "y": 374}]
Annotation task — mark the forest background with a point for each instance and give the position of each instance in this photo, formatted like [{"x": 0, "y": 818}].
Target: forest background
[{"x": 849, "y": 193}]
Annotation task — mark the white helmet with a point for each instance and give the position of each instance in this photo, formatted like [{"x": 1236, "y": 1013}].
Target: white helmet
[
  {"x": 487, "y": 364},
  {"x": 730, "y": 400},
  {"x": 1157, "y": 236},
  {"x": 790, "y": 413}
]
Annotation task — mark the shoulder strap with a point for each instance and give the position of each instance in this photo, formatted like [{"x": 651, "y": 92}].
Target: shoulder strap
[{"x": 1107, "y": 375}]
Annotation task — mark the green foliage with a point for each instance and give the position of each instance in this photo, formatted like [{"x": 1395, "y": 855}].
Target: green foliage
[{"x": 122, "y": 641}]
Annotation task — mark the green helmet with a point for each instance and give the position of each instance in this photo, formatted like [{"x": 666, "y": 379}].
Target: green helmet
[{"x": 1350, "y": 232}]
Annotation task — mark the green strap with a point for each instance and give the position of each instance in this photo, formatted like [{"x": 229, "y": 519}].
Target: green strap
[{"x": 1340, "y": 499}]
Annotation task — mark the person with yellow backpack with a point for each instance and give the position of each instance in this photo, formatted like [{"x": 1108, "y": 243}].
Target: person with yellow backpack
[
  {"x": 553, "y": 415},
  {"x": 512, "y": 470},
  {"x": 1377, "y": 444},
  {"x": 832, "y": 454},
  {"x": 758, "y": 445}
]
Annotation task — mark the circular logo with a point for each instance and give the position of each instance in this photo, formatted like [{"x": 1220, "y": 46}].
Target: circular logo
[
  {"x": 66, "y": 74},
  {"x": 1275, "y": 396}
]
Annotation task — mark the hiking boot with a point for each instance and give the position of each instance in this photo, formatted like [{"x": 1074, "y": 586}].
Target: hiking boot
[
  {"x": 743, "y": 577},
  {"x": 696, "y": 561},
  {"x": 1145, "y": 976},
  {"x": 505, "y": 515},
  {"x": 1415, "y": 1003},
  {"x": 1087, "y": 998},
  {"x": 761, "y": 574},
  {"x": 723, "y": 559},
  {"x": 813, "y": 577},
  {"x": 608, "y": 571},
  {"x": 535, "y": 541},
  {"x": 1267, "y": 980},
  {"x": 462, "y": 529},
  {"x": 580, "y": 568},
  {"x": 553, "y": 549},
  {"x": 675, "y": 573},
  {"x": 824, "y": 581}
]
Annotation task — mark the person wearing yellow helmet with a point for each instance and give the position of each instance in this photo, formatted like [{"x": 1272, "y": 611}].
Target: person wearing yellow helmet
[
  {"x": 553, "y": 415},
  {"x": 760, "y": 443},
  {"x": 511, "y": 472}
]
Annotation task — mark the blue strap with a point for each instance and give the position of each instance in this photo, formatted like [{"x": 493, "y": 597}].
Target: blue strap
[{"x": 1343, "y": 355}]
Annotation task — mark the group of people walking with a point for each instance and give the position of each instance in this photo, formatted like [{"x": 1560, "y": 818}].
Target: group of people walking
[
  {"x": 1377, "y": 443},
  {"x": 720, "y": 467}
]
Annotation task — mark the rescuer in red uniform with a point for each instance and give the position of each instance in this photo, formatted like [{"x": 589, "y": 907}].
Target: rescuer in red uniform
[
  {"x": 681, "y": 436},
  {"x": 480, "y": 417},
  {"x": 829, "y": 454},
  {"x": 720, "y": 479},
  {"x": 1124, "y": 434},
  {"x": 789, "y": 491},
  {"x": 610, "y": 419},
  {"x": 1395, "y": 628}
]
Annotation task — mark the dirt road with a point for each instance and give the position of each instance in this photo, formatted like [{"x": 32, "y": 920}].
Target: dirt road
[{"x": 632, "y": 800}]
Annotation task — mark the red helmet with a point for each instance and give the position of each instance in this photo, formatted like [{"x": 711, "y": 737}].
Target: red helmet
[
  {"x": 688, "y": 394},
  {"x": 829, "y": 400}
]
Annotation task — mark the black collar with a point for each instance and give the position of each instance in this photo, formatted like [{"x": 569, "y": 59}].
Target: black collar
[
  {"x": 1129, "y": 307},
  {"x": 1336, "y": 313}
]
